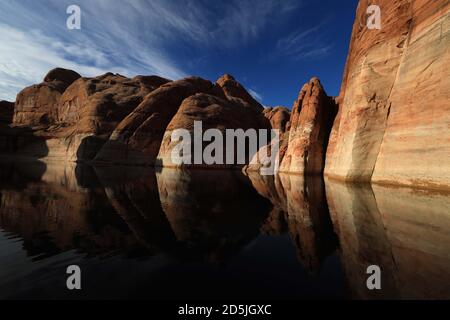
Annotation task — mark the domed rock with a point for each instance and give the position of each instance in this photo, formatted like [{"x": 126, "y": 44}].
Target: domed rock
[
  {"x": 64, "y": 76},
  {"x": 234, "y": 90},
  {"x": 136, "y": 140},
  {"x": 91, "y": 108},
  {"x": 213, "y": 113},
  {"x": 38, "y": 104}
]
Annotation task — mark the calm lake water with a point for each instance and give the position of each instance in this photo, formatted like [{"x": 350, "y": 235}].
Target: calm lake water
[{"x": 185, "y": 235}]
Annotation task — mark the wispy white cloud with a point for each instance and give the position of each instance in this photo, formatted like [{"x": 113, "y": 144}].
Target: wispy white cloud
[
  {"x": 256, "y": 95},
  {"x": 304, "y": 43},
  {"x": 129, "y": 36}
]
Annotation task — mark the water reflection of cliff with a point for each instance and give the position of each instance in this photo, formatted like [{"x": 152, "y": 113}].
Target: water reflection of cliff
[
  {"x": 212, "y": 215},
  {"x": 299, "y": 205},
  {"x": 404, "y": 231},
  {"x": 191, "y": 215}
]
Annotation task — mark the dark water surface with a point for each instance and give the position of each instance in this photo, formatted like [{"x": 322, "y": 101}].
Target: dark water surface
[{"x": 137, "y": 233}]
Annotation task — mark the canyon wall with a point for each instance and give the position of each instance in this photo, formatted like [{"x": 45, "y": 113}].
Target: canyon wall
[
  {"x": 391, "y": 127},
  {"x": 394, "y": 118}
]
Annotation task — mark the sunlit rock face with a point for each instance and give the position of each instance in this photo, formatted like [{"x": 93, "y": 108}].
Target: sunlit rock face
[
  {"x": 401, "y": 230},
  {"x": 213, "y": 214},
  {"x": 308, "y": 220},
  {"x": 69, "y": 118},
  {"x": 299, "y": 207},
  {"x": 137, "y": 139},
  {"x": 38, "y": 104},
  {"x": 310, "y": 125},
  {"x": 394, "y": 101}
]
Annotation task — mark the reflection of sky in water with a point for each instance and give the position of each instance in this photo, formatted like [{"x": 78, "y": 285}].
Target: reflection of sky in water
[{"x": 213, "y": 234}]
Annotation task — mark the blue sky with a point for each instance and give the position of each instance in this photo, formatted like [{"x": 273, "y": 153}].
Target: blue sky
[{"x": 271, "y": 46}]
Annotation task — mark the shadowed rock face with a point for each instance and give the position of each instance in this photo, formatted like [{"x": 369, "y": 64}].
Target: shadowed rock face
[
  {"x": 6, "y": 112},
  {"x": 279, "y": 118},
  {"x": 395, "y": 98},
  {"x": 38, "y": 104},
  {"x": 145, "y": 134},
  {"x": 401, "y": 230},
  {"x": 311, "y": 120}
]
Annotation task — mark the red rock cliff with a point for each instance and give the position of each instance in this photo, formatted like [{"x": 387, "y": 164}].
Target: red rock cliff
[{"x": 394, "y": 115}]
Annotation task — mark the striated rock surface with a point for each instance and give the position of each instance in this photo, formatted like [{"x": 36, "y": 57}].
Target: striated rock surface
[
  {"x": 395, "y": 98},
  {"x": 6, "y": 112},
  {"x": 279, "y": 118},
  {"x": 82, "y": 118},
  {"x": 138, "y": 137},
  {"x": 97, "y": 105},
  {"x": 311, "y": 121},
  {"x": 233, "y": 90},
  {"x": 214, "y": 113},
  {"x": 52, "y": 211},
  {"x": 38, "y": 104}
]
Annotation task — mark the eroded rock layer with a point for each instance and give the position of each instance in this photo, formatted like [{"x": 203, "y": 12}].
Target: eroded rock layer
[
  {"x": 38, "y": 104},
  {"x": 311, "y": 121},
  {"x": 394, "y": 115}
]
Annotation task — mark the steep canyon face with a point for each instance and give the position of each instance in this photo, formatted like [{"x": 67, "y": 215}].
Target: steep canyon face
[
  {"x": 389, "y": 124},
  {"x": 394, "y": 115}
]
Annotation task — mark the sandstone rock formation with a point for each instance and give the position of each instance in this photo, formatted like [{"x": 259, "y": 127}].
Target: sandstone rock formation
[
  {"x": 6, "y": 112},
  {"x": 279, "y": 118},
  {"x": 214, "y": 113},
  {"x": 144, "y": 137},
  {"x": 79, "y": 117},
  {"x": 117, "y": 120},
  {"x": 394, "y": 115},
  {"x": 311, "y": 122},
  {"x": 234, "y": 90},
  {"x": 137, "y": 139},
  {"x": 38, "y": 104},
  {"x": 53, "y": 212},
  {"x": 97, "y": 105}
]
